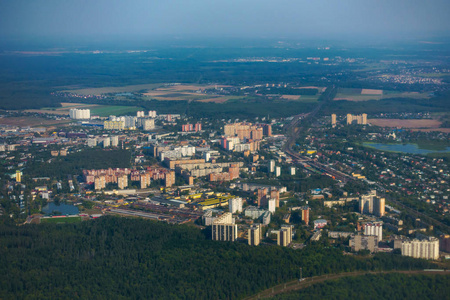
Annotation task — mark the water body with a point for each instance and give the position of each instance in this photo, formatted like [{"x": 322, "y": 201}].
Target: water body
[
  {"x": 65, "y": 209},
  {"x": 403, "y": 148}
]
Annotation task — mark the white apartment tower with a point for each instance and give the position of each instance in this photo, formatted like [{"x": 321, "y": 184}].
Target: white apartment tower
[
  {"x": 235, "y": 205},
  {"x": 427, "y": 248},
  {"x": 224, "y": 229},
  {"x": 374, "y": 228}
]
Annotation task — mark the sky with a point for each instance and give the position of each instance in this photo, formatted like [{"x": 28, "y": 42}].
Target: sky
[{"x": 22, "y": 19}]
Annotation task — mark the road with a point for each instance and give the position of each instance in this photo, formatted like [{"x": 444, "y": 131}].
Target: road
[
  {"x": 295, "y": 285},
  {"x": 292, "y": 131}
]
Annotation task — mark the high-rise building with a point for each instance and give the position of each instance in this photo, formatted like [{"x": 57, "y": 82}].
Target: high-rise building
[
  {"x": 235, "y": 205},
  {"x": 115, "y": 141},
  {"x": 271, "y": 166},
  {"x": 170, "y": 178},
  {"x": 122, "y": 181},
  {"x": 444, "y": 243},
  {"x": 234, "y": 171},
  {"x": 358, "y": 119},
  {"x": 106, "y": 142},
  {"x": 99, "y": 183},
  {"x": 292, "y": 171},
  {"x": 427, "y": 248},
  {"x": 140, "y": 114},
  {"x": 305, "y": 214},
  {"x": 277, "y": 171},
  {"x": 148, "y": 124},
  {"x": 364, "y": 242},
  {"x": 371, "y": 204},
  {"x": 267, "y": 130},
  {"x": 333, "y": 120},
  {"x": 379, "y": 206},
  {"x": 114, "y": 125},
  {"x": 92, "y": 142},
  {"x": 272, "y": 205},
  {"x": 224, "y": 229},
  {"x": 79, "y": 114},
  {"x": 254, "y": 235},
  {"x": 284, "y": 236},
  {"x": 18, "y": 176},
  {"x": 374, "y": 228}
]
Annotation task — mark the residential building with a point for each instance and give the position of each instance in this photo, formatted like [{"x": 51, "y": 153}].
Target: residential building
[
  {"x": 254, "y": 235},
  {"x": 78, "y": 114},
  {"x": 224, "y": 229},
  {"x": 364, "y": 242},
  {"x": 374, "y": 228},
  {"x": 305, "y": 214},
  {"x": 426, "y": 248},
  {"x": 333, "y": 120},
  {"x": 284, "y": 236},
  {"x": 235, "y": 205},
  {"x": 358, "y": 119}
]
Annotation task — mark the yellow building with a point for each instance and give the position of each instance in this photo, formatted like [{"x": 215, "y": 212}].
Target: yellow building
[
  {"x": 111, "y": 125},
  {"x": 18, "y": 176}
]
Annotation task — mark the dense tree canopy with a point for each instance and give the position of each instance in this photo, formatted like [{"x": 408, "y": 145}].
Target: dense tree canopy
[{"x": 133, "y": 258}]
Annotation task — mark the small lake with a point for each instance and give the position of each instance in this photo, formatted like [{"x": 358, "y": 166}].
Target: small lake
[
  {"x": 65, "y": 209},
  {"x": 403, "y": 148}
]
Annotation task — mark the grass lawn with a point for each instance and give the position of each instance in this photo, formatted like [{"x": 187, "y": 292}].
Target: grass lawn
[{"x": 106, "y": 110}]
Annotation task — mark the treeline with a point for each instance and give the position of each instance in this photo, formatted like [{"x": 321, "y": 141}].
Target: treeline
[
  {"x": 394, "y": 105},
  {"x": 123, "y": 258},
  {"x": 385, "y": 286},
  {"x": 74, "y": 163}
]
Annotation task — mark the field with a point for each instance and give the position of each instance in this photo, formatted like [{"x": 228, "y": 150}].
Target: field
[
  {"x": 370, "y": 94},
  {"x": 107, "y": 110},
  {"x": 96, "y": 110},
  {"x": 32, "y": 122},
  {"x": 61, "y": 220},
  {"x": 410, "y": 123},
  {"x": 109, "y": 90},
  {"x": 183, "y": 92}
]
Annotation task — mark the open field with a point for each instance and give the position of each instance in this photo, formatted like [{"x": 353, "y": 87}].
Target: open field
[
  {"x": 445, "y": 130},
  {"x": 107, "y": 110},
  {"x": 410, "y": 123},
  {"x": 32, "y": 122},
  {"x": 185, "y": 93},
  {"x": 96, "y": 110},
  {"x": 117, "y": 89},
  {"x": 142, "y": 87},
  {"x": 370, "y": 94},
  {"x": 290, "y": 97}
]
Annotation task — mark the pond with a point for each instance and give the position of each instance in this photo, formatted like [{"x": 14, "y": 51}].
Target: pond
[
  {"x": 403, "y": 148},
  {"x": 64, "y": 209}
]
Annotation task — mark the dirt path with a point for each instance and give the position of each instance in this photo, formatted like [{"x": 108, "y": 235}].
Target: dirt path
[{"x": 295, "y": 285}]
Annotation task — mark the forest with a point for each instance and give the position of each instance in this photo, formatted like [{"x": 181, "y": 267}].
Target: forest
[
  {"x": 385, "y": 286},
  {"x": 121, "y": 258}
]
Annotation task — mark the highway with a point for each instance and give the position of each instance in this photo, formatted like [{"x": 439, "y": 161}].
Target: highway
[{"x": 292, "y": 131}]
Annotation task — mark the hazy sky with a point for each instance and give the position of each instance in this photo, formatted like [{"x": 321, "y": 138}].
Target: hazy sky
[{"x": 229, "y": 18}]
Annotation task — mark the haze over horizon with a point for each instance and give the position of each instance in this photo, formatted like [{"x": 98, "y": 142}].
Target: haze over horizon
[{"x": 321, "y": 19}]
